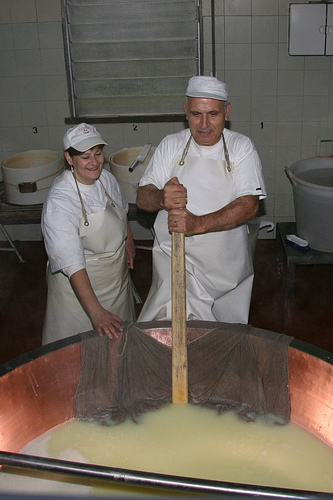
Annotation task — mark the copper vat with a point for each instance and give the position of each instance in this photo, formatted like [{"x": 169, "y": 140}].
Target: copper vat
[{"x": 37, "y": 392}]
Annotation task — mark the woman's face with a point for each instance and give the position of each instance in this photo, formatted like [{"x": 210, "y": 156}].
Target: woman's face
[{"x": 87, "y": 165}]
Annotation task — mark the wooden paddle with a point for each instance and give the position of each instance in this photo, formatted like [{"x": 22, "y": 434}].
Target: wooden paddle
[{"x": 178, "y": 324}]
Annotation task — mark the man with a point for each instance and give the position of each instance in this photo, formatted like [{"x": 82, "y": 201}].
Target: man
[{"x": 205, "y": 182}]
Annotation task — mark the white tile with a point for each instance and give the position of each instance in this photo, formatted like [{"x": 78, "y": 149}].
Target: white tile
[
  {"x": 50, "y": 35},
  {"x": 267, "y": 156},
  {"x": 113, "y": 133},
  {"x": 34, "y": 114},
  {"x": 265, "y": 29},
  {"x": 241, "y": 109},
  {"x": 237, "y": 56},
  {"x": 9, "y": 89},
  {"x": 290, "y": 82},
  {"x": 288, "y": 62},
  {"x": 48, "y": 10},
  {"x": 282, "y": 183},
  {"x": 157, "y": 131},
  {"x": 316, "y": 82},
  {"x": 55, "y": 87},
  {"x": 316, "y": 108},
  {"x": 263, "y": 136},
  {"x": 10, "y": 230},
  {"x": 263, "y": 108},
  {"x": 23, "y": 11},
  {"x": 56, "y": 134},
  {"x": 284, "y": 7},
  {"x": 269, "y": 178},
  {"x": 135, "y": 134},
  {"x": 205, "y": 8},
  {"x": 289, "y": 107},
  {"x": 31, "y": 88},
  {"x": 311, "y": 132},
  {"x": 39, "y": 140},
  {"x": 264, "y": 56},
  {"x": 267, "y": 207},
  {"x": 284, "y": 205},
  {"x": 241, "y": 127},
  {"x": 27, "y": 232},
  {"x": 28, "y": 62},
  {"x": 317, "y": 62},
  {"x": 237, "y": 7},
  {"x": 6, "y": 37},
  {"x": 25, "y": 36},
  {"x": 10, "y": 114},
  {"x": 265, "y": 7},
  {"x": 286, "y": 155},
  {"x": 8, "y": 63},
  {"x": 207, "y": 52},
  {"x": 220, "y": 60},
  {"x": 288, "y": 133},
  {"x": 56, "y": 112},
  {"x": 264, "y": 83},
  {"x": 219, "y": 29},
  {"x": 238, "y": 82},
  {"x": 5, "y": 16},
  {"x": 53, "y": 62},
  {"x": 284, "y": 30},
  {"x": 13, "y": 140},
  {"x": 238, "y": 29}
]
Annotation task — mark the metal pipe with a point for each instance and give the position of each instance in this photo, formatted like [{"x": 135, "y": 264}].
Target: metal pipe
[
  {"x": 213, "y": 38},
  {"x": 151, "y": 480}
]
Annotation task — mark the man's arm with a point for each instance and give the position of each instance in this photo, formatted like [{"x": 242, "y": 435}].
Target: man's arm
[
  {"x": 232, "y": 215},
  {"x": 152, "y": 199}
]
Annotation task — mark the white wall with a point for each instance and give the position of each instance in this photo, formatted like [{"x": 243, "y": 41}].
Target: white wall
[{"x": 283, "y": 103}]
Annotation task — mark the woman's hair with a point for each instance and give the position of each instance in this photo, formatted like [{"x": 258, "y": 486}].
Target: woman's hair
[{"x": 74, "y": 152}]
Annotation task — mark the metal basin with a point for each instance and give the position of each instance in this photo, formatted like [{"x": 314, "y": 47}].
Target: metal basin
[{"x": 37, "y": 390}]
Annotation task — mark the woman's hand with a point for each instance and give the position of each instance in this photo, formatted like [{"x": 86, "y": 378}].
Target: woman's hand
[{"x": 104, "y": 321}]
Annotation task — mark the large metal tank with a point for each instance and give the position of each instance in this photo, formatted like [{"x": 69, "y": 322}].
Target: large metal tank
[{"x": 37, "y": 393}]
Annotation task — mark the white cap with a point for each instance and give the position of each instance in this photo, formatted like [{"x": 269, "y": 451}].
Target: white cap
[
  {"x": 207, "y": 87},
  {"x": 82, "y": 137}
]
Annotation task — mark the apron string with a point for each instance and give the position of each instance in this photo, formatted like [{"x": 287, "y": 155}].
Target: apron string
[
  {"x": 84, "y": 213},
  {"x": 187, "y": 147}
]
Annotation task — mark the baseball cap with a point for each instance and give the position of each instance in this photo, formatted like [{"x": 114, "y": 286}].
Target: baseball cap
[
  {"x": 208, "y": 87},
  {"x": 82, "y": 137}
]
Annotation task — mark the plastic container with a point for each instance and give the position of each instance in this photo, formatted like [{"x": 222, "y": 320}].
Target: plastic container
[
  {"x": 28, "y": 176},
  {"x": 119, "y": 166},
  {"x": 312, "y": 181}
]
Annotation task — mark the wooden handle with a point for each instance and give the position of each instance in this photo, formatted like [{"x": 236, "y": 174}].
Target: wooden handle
[{"x": 179, "y": 327}]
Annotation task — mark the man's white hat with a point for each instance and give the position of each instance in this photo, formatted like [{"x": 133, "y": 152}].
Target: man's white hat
[
  {"x": 82, "y": 137},
  {"x": 208, "y": 87}
]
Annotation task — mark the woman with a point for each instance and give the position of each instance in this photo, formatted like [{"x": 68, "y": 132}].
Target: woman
[{"x": 89, "y": 244}]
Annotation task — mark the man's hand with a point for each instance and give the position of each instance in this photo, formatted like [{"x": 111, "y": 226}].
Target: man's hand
[{"x": 175, "y": 194}]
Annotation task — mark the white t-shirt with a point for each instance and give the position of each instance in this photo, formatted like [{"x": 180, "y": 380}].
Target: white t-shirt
[
  {"x": 62, "y": 212},
  {"x": 247, "y": 170}
]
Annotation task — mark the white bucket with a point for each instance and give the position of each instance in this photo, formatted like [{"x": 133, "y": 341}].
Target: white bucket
[
  {"x": 28, "y": 176},
  {"x": 119, "y": 166},
  {"x": 312, "y": 181}
]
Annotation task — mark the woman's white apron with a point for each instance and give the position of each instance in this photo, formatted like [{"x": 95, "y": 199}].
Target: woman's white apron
[
  {"x": 106, "y": 264},
  {"x": 219, "y": 270}
]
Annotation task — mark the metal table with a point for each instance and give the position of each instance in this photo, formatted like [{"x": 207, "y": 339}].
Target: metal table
[
  {"x": 31, "y": 214},
  {"x": 295, "y": 257}
]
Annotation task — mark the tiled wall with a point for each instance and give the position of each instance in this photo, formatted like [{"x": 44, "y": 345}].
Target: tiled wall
[{"x": 284, "y": 103}]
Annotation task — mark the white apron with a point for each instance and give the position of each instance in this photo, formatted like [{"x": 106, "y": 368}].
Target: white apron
[
  {"x": 106, "y": 264},
  {"x": 219, "y": 270}
]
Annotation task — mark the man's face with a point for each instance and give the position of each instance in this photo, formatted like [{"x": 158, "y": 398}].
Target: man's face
[{"x": 206, "y": 118}]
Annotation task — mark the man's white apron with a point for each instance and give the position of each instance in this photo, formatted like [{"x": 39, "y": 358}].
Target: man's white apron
[
  {"x": 219, "y": 270},
  {"x": 104, "y": 240}
]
